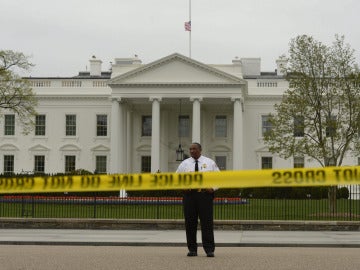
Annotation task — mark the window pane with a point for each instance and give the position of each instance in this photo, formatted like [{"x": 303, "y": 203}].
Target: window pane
[
  {"x": 266, "y": 162},
  {"x": 299, "y": 162},
  {"x": 40, "y": 125},
  {"x": 331, "y": 126},
  {"x": 184, "y": 126},
  {"x": 8, "y": 164},
  {"x": 70, "y": 129},
  {"x": 221, "y": 162},
  {"x": 265, "y": 123},
  {"x": 299, "y": 126},
  {"x": 39, "y": 166},
  {"x": 220, "y": 126},
  {"x": 101, "y": 125},
  {"x": 9, "y": 127},
  {"x": 145, "y": 164},
  {"x": 146, "y": 125},
  {"x": 69, "y": 164},
  {"x": 100, "y": 164}
]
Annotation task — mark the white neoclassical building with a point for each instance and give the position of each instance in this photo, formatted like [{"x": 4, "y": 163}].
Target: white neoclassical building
[{"x": 134, "y": 117}]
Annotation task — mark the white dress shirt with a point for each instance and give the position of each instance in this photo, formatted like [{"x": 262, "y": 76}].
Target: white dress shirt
[{"x": 205, "y": 164}]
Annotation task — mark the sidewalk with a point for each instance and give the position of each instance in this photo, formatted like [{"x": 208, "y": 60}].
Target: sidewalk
[{"x": 177, "y": 238}]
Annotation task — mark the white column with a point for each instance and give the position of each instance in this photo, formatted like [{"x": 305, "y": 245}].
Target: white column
[
  {"x": 164, "y": 134},
  {"x": 129, "y": 140},
  {"x": 115, "y": 134},
  {"x": 123, "y": 137},
  {"x": 155, "y": 134},
  {"x": 196, "y": 119},
  {"x": 238, "y": 146},
  {"x": 122, "y": 143}
]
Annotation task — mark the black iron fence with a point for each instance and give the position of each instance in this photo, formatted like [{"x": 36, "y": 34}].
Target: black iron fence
[{"x": 250, "y": 204}]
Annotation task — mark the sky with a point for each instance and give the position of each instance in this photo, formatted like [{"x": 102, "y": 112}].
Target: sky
[{"x": 61, "y": 36}]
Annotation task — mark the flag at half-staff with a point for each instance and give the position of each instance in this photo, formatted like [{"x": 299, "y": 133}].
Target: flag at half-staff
[{"x": 188, "y": 26}]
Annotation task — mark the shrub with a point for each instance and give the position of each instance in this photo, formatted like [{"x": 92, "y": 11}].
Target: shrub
[{"x": 343, "y": 193}]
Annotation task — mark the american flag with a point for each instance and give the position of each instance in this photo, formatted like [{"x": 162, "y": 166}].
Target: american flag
[{"x": 188, "y": 26}]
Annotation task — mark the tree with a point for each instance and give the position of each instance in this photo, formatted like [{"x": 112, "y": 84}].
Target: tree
[
  {"x": 319, "y": 115},
  {"x": 16, "y": 95}
]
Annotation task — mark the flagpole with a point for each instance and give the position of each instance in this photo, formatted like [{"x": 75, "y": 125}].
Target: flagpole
[{"x": 191, "y": 29}]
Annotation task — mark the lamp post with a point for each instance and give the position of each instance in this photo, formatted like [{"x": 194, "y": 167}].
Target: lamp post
[{"x": 179, "y": 154}]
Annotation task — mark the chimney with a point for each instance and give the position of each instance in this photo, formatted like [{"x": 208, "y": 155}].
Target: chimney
[
  {"x": 95, "y": 66},
  {"x": 237, "y": 64},
  {"x": 251, "y": 66}
]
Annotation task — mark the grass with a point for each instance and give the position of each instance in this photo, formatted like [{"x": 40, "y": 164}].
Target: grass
[{"x": 256, "y": 209}]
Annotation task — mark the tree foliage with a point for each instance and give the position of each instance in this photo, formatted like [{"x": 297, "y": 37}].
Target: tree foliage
[
  {"x": 16, "y": 95},
  {"x": 319, "y": 114}
]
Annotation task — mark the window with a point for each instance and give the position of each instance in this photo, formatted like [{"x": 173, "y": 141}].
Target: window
[
  {"x": 39, "y": 164},
  {"x": 146, "y": 125},
  {"x": 221, "y": 162},
  {"x": 9, "y": 128},
  {"x": 330, "y": 161},
  {"x": 299, "y": 162},
  {"x": 101, "y": 125},
  {"x": 100, "y": 164},
  {"x": 265, "y": 124},
  {"x": 220, "y": 126},
  {"x": 184, "y": 126},
  {"x": 299, "y": 126},
  {"x": 8, "y": 164},
  {"x": 266, "y": 162},
  {"x": 70, "y": 125},
  {"x": 145, "y": 164},
  {"x": 40, "y": 125},
  {"x": 69, "y": 164},
  {"x": 331, "y": 126}
]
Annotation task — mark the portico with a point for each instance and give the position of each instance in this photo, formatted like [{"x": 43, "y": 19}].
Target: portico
[{"x": 153, "y": 91}]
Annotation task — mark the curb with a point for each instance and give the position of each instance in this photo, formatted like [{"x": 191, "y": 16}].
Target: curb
[{"x": 156, "y": 224}]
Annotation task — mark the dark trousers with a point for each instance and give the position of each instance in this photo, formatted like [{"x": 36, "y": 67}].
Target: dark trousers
[{"x": 199, "y": 205}]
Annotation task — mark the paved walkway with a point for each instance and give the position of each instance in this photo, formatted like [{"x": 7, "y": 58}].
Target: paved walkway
[
  {"x": 29, "y": 257},
  {"x": 177, "y": 238}
]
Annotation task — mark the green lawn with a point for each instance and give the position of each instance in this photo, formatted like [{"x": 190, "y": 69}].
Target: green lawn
[{"x": 256, "y": 209}]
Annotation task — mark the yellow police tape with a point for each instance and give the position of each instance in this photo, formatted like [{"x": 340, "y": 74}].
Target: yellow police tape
[{"x": 164, "y": 181}]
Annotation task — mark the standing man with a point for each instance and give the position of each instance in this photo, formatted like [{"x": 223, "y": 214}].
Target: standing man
[{"x": 198, "y": 203}]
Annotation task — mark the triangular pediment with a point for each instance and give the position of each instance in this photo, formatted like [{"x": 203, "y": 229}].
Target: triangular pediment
[
  {"x": 176, "y": 69},
  {"x": 100, "y": 147},
  {"x": 39, "y": 147}
]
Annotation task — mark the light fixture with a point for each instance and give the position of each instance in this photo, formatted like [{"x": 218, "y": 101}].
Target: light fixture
[
  {"x": 179, "y": 151},
  {"x": 179, "y": 154}
]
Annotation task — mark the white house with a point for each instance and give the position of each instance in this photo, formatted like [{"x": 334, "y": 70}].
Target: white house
[{"x": 132, "y": 118}]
